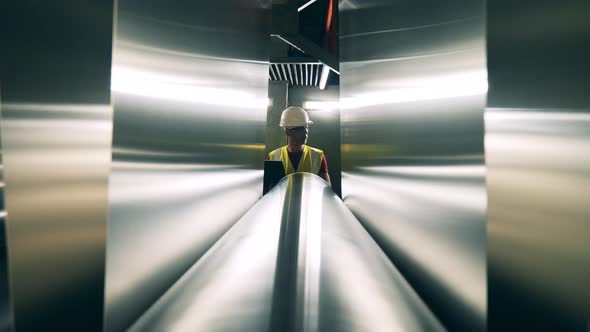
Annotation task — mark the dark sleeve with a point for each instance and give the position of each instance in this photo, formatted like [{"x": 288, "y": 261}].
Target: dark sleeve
[{"x": 324, "y": 166}]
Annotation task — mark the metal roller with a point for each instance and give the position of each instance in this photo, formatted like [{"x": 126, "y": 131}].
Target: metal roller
[{"x": 297, "y": 261}]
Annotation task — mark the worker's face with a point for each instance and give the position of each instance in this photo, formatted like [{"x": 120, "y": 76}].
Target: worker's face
[{"x": 298, "y": 134}]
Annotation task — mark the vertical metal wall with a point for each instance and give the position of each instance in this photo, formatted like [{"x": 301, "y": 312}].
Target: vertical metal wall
[
  {"x": 55, "y": 67},
  {"x": 190, "y": 89},
  {"x": 538, "y": 159},
  {"x": 5, "y": 306},
  {"x": 412, "y": 94}
]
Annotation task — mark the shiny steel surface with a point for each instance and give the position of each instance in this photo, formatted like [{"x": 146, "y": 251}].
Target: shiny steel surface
[
  {"x": 297, "y": 261},
  {"x": 538, "y": 157},
  {"x": 5, "y": 306},
  {"x": 190, "y": 84},
  {"x": 56, "y": 134},
  {"x": 412, "y": 94}
]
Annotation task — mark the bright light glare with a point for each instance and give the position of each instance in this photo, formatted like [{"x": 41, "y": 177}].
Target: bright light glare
[
  {"x": 321, "y": 105},
  {"x": 311, "y": 211},
  {"x": 324, "y": 78},
  {"x": 137, "y": 82},
  {"x": 305, "y": 6},
  {"x": 462, "y": 85},
  {"x": 457, "y": 171}
]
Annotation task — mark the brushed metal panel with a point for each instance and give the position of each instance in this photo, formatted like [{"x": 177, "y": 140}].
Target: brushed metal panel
[
  {"x": 537, "y": 143},
  {"x": 190, "y": 88},
  {"x": 412, "y": 94},
  {"x": 56, "y": 137},
  {"x": 538, "y": 232},
  {"x": 451, "y": 36},
  {"x": 57, "y": 164},
  {"x": 5, "y": 303},
  {"x": 297, "y": 261},
  {"x": 408, "y": 15}
]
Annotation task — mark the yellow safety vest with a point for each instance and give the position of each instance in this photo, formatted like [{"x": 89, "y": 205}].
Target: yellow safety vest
[{"x": 311, "y": 160}]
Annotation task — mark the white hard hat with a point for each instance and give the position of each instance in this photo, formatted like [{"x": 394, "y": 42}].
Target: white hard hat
[{"x": 294, "y": 116}]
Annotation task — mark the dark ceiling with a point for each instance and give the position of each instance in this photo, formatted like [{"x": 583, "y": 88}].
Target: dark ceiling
[{"x": 311, "y": 24}]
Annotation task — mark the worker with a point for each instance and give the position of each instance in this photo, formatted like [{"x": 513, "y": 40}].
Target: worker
[{"x": 296, "y": 156}]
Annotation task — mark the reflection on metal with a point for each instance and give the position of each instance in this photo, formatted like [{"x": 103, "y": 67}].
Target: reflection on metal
[
  {"x": 190, "y": 88},
  {"x": 57, "y": 161},
  {"x": 413, "y": 87},
  {"x": 5, "y": 303},
  {"x": 297, "y": 261},
  {"x": 56, "y": 138},
  {"x": 537, "y": 152}
]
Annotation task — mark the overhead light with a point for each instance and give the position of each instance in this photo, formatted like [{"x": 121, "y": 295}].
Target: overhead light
[
  {"x": 324, "y": 78},
  {"x": 304, "y": 6}
]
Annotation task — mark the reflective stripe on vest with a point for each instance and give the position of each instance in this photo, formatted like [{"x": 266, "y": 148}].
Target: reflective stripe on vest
[{"x": 311, "y": 160}]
